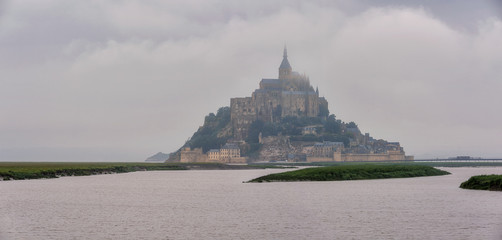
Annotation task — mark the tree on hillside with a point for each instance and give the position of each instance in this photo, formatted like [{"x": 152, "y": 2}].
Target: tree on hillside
[
  {"x": 332, "y": 125},
  {"x": 351, "y": 125},
  {"x": 207, "y": 135},
  {"x": 323, "y": 111}
]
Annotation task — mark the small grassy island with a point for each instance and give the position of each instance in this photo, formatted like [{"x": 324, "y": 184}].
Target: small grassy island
[
  {"x": 484, "y": 182},
  {"x": 352, "y": 172}
]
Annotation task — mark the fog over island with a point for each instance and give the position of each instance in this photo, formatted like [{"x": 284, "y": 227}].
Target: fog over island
[{"x": 123, "y": 80}]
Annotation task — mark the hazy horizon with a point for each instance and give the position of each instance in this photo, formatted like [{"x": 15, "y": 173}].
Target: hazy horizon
[{"x": 123, "y": 80}]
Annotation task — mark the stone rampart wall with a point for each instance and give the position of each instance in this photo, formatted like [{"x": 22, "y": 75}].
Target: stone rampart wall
[
  {"x": 195, "y": 155},
  {"x": 319, "y": 159},
  {"x": 351, "y": 157}
]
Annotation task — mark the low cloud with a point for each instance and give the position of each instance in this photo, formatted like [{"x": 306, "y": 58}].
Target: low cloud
[
  {"x": 137, "y": 78},
  {"x": 408, "y": 74}
]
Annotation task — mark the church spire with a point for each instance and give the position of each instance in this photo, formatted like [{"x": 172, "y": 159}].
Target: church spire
[{"x": 285, "y": 69}]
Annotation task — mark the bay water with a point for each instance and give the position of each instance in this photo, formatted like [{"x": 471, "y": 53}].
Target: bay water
[{"x": 217, "y": 204}]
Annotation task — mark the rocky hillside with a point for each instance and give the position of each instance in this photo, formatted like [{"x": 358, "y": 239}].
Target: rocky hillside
[
  {"x": 271, "y": 140},
  {"x": 159, "y": 157}
]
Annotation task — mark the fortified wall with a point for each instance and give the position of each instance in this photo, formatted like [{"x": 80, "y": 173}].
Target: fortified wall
[
  {"x": 334, "y": 151},
  {"x": 195, "y": 155}
]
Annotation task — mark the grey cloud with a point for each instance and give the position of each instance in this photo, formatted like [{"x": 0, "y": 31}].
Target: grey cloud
[
  {"x": 109, "y": 78},
  {"x": 428, "y": 76}
]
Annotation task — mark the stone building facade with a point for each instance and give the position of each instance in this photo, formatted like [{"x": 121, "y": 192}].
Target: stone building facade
[
  {"x": 289, "y": 95},
  {"x": 335, "y": 151},
  {"x": 192, "y": 155},
  {"x": 229, "y": 153},
  {"x": 326, "y": 149}
]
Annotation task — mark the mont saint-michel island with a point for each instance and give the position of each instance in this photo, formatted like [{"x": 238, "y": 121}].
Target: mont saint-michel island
[{"x": 285, "y": 119}]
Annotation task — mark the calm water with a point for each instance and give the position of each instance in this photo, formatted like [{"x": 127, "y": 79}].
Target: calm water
[{"x": 217, "y": 205}]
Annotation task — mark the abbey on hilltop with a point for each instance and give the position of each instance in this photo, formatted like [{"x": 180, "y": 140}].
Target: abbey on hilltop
[
  {"x": 289, "y": 95},
  {"x": 284, "y": 120}
]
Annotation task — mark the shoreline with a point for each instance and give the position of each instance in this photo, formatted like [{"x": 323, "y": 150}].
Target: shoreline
[{"x": 46, "y": 170}]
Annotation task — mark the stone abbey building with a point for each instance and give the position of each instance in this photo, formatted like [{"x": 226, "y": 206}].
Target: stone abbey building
[
  {"x": 291, "y": 94},
  {"x": 288, "y": 95}
]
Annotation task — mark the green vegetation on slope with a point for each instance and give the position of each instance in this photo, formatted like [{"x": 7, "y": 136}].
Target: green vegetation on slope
[
  {"x": 329, "y": 129},
  {"x": 484, "y": 182},
  {"x": 210, "y": 135},
  {"x": 217, "y": 129},
  {"x": 352, "y": 172}
]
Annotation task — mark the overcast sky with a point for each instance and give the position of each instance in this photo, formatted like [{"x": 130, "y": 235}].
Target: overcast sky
[{"x": 122, "y": 80}]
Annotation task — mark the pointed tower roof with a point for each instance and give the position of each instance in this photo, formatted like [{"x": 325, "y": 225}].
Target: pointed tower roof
[{"x": 285, "y": 62}]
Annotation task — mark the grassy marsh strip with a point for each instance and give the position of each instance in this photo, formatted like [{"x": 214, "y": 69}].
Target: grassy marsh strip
[
  {"x": 35, "y": 170},
  {"x": 484, "y": 182},
  {"x": 352, "y": 172}
]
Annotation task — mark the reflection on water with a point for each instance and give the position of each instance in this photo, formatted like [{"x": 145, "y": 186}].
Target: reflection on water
[{"x": 217, "y": 205}]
